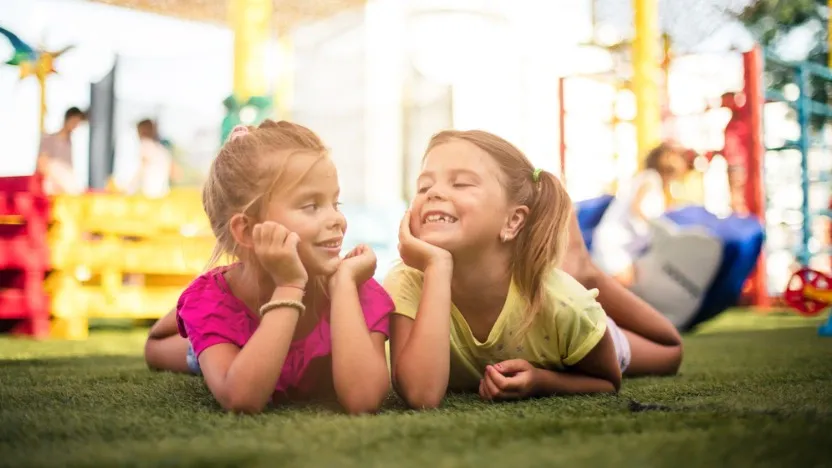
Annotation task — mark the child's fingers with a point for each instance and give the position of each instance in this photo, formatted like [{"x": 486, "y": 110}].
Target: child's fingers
[
  {"x": 493, "y": 393},
  {"x": 268, "y": 234},
  {"x": 512, "y": 366},
  {"x": 516, "y": 383},
  {"x": 291, "y": 241},
  {"x": 491, "y": 388},
  {"x": 482, "y": 393},
  {"x": 499, "y": 379},
  {"x": 256, "y": 233},
  {"x": 404, "y": 228},
  {"x": 508, "y": 395}
]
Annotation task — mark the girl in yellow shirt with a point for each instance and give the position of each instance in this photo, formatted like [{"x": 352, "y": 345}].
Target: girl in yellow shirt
[{"x": 481, "y": 304}]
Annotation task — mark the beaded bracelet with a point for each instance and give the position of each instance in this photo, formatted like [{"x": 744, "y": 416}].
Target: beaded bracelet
[{"x": 271, "y": 305}]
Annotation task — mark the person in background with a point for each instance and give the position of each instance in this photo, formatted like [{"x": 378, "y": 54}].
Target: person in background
[
  {"x": 691, "y": 189},
  {"x": 54, "y": 160},
  {"x": 624, "y": 231},
  {"x": 152, "y": 178}
]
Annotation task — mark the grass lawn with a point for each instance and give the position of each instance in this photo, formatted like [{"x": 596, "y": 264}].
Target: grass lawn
[{"x": 752, "y": 392}]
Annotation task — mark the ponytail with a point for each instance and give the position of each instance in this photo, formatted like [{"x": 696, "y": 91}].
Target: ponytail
[{"x": 542, "y": 242}]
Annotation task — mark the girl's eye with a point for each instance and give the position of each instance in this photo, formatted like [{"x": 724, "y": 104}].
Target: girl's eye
[
  {"x": 311, "y": 207},
  {"x": 422, "y": 189},
  {"x": 461, "y": 185},
  {"x": 337, "y": 206}
]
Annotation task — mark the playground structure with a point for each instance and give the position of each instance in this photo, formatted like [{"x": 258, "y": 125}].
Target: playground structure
[
  {"x": 66, "y": 259},
  {"x": 810, "y": 292},
  {"x": 31, "y": 62},
  {"x": 812, "y": 179},
  {"x": 740, "y": 252},
  {"x": 24, "y": 257},
  {"x": 816, "y": 198},
  {"x": 99, "y": 255},
  {"x": 114, "y": 256}
]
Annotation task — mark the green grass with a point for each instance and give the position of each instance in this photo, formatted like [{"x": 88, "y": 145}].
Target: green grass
[{"x": 747, "y": 396}]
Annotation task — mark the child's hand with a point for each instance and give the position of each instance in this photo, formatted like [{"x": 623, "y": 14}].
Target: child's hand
[
  {"x": 508, "y": 380},
  {"x": 359, "y": 265},
  {"x": 417, "y": 253},
  {"x": 277, "y": 250}
]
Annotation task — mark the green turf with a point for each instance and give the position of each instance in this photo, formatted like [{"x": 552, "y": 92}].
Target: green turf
[{"x": 758, "y": 397}]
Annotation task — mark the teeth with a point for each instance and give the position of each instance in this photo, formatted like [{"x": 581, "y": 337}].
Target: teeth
[
  {"x": 331, "y": 244},
  {"x": 439, "y": 218}
]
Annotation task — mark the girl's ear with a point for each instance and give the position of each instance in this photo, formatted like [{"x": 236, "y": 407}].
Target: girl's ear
[
  {"x": 514, "y": 223},
  {"x": 241, "y": 227}
]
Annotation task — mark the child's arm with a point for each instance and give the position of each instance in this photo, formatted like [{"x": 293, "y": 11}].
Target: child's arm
[
  {"x": 628, "y": 310},
  {"x": 597, "y": 372},
  {"x": 420, "y": 345},
  {"x": 420, "y": 348},
  {"x": 243, "y": 380},
  {"x": 359, "y": 364},
  {"x": 164, "y": 349},
  {"x": 164, "y": 327},
  {"x": 643, "y": 189}
]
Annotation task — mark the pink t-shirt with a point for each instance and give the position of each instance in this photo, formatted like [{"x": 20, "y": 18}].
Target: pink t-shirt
[{"x": 208, "y": 314}]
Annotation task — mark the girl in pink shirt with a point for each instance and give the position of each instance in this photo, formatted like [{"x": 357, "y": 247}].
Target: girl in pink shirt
[{"x": 290, "y": 319}]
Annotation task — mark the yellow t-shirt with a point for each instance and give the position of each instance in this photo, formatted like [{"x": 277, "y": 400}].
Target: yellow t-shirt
[{"x": 567, "y": 329}]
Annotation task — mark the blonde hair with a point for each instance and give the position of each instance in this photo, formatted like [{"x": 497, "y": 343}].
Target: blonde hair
[
  {"x": 541, "y": 243},
  {"x": 247, "y": 172}
]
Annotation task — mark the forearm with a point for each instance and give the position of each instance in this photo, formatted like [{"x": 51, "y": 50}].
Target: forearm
[
  {"x": 549, "y": 382},
  {"x": 164, "y": 327},
  {"x": 359, "y": 370},
  {"x": 421, "y": 370},
  {"x": 252, "y": 376},
  {"x": 630, "y": 311}
]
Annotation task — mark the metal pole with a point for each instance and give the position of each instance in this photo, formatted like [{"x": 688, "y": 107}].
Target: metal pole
[
  {"x": 42, "y": 119},
  {"x": 646, "y": 70},
  {"x": 803, "y": 113},
  {"x": 754, "y": 188},
  {"x": 251, "y": 21}
]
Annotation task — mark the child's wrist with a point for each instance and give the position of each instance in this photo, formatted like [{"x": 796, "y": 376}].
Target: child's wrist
[
  {"x": 289, "y": 292},
  {"x": 538, "y": 385},
  {"x": 341, "y": 278},
  {"x": 300, "y": 284},
  {"x": 440, "y": 263}
]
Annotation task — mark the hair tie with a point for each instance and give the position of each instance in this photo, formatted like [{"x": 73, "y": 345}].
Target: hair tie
[
  {"x": 536, "y": 175},
  {"x": 237, "y": 132}
]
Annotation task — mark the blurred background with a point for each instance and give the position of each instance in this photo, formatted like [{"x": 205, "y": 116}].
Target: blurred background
[{"x": 584, "y": 87}]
